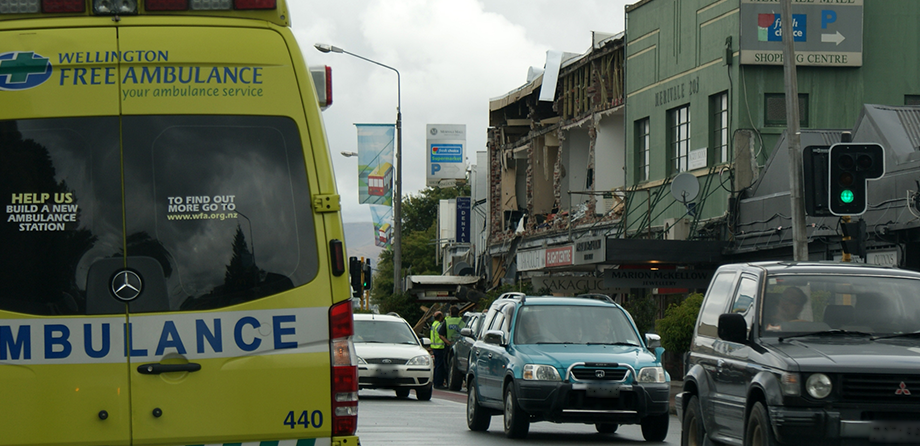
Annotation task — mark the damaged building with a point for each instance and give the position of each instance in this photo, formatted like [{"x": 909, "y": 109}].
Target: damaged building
[{"x": 639, "y": 166}]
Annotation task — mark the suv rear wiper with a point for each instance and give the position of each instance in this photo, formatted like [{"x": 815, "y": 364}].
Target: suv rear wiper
[
  {"x": 899, "y": 335},
  {"x": 827, "y": 332}
]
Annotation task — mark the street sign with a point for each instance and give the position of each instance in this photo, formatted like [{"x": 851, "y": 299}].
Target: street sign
[{"x": 826, "y": 34}]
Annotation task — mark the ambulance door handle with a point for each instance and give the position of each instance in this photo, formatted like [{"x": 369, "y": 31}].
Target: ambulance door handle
[{"x": 157, "y": 368}]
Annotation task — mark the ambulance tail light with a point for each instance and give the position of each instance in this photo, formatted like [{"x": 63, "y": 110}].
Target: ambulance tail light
[
  {"x": 322, "y": 79},
  {"x": 212, "y": 5},
  {"x": 63, "y": 6},
  {"x": 209, "y": 5},
  {"x": 344, "y": 370},
  {"x": 166, "y": 5},
  {"x": 36, "y": 6},
  {"x": 254, "y": 4}
]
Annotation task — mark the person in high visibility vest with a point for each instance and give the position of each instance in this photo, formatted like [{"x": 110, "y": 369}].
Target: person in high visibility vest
[
  {"x": 439, "y": 345},
  {"x": 454, "y": 324}
]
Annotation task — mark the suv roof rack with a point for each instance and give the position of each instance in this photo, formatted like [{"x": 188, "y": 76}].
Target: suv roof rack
[
  {"x": 597, "y": 296},
  {"x": 513, "y": 295}
]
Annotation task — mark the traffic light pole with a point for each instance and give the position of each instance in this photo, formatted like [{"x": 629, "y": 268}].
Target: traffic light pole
[
  {"x": 799, "y": 237},
  {"x": 845, "y": 256}
]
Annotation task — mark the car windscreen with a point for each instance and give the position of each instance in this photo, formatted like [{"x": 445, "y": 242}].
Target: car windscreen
[
  {"x": 387, "y": 332},
  {"x": 871, "y": 304},
  {"x": 573, "y": 324}
]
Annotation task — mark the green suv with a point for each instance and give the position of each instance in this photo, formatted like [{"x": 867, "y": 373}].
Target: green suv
[{"x": 565, "y": 360}]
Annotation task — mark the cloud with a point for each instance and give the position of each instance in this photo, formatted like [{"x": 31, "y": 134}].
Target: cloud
[{"x": 452, "y": 56}]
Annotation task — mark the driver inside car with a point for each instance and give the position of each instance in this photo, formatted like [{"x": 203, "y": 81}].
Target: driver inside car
[{"x": 787, "y": 308}]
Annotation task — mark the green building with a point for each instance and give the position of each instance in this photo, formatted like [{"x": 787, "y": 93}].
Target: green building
[{"x": 705, "y": 90}]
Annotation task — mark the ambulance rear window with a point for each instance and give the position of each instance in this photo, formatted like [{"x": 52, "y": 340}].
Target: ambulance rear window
[{"x": 209, "y": 211}]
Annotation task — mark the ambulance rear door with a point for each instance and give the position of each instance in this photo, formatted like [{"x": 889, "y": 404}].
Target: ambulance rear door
[
  {"x": 229, "y": 332},
  {"x": 63, "y": 370}
]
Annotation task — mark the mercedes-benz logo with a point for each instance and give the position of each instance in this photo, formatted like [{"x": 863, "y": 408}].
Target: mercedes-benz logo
[{"x": 126, "y": 286}]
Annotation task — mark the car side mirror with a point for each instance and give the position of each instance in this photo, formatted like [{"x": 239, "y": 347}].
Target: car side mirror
[
  {"x": 426, "y": 342},
  {"x": 466, "y": 332},
  {"x": 733, "y": 328},
  {"x": 652, "y": 341},
  {"x": 494, "y": 337}
]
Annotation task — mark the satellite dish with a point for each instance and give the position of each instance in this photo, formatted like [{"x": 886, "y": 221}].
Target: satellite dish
[{"x": 685, "y": 187}]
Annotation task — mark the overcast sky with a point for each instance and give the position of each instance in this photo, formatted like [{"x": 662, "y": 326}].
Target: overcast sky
[{"x": 453, "y": 56}]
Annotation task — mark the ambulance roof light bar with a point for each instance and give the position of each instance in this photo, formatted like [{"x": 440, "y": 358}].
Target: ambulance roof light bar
[
  {"x": 115, "y": 7},
  {"x": 46, "y": 6},
  {"x": 130, "y": 7},
  {"x": 208, "y": 5}
]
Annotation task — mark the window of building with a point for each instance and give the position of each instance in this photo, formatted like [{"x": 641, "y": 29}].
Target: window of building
[
  {"x": 718, "y": 106},
  {"x": 642, "y": 149},
  {"x": 912, "y": 99},
  {"x": 775, "y": 109},
  {"x": 679, "y": 138}
]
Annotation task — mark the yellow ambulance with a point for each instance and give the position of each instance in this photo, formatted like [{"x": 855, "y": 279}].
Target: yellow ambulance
[{"x": 172, "y": 266}]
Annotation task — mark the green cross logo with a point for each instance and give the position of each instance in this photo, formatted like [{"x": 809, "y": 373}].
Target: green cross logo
[{"x": 23, "y": 70}]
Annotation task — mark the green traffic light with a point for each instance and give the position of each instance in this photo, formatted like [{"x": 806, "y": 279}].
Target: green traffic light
[{"x": 846, "y": 196}]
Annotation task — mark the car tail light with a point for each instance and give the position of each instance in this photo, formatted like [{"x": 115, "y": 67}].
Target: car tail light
[
  {"x": 63, "y": 6},
  {"x": 166, "y": 5},
  {"x": 344, "y": 370},
  {"x": 254, "y": 4}
]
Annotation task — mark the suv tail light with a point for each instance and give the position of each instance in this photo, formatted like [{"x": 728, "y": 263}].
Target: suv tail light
[{"x": 344, "y": 370}]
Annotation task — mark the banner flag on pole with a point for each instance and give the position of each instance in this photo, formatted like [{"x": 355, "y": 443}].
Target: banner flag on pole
[
  {"x": 375, "y": 163},
  {"x": 383, "y": 225}
]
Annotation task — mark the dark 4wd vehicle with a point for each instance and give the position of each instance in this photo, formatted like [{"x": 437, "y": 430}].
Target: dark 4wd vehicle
[
  {"x": 458, "y": 359},
  {"x": 805, "y": 353},
  {"x": 565, "y": 360}
]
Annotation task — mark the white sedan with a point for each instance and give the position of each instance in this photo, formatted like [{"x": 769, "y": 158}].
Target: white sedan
[{"x": 391, "y": 356}]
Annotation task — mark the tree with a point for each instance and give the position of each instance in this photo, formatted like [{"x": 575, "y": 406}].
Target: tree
[
  {"x": 643, "y": 310},
  {"x": 676, "y": 327},
  {"x": 419, "y": 250}
]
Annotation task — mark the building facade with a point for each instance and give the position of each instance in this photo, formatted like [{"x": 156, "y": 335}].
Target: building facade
[{"x": 658, "y": 155}]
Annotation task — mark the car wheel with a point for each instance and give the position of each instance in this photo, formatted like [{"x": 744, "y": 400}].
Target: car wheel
[
  {"x": 655, "y": 427},
  {"x": 517, "y": 422},
  {"x": 692, "y": 429},
  {"x": 477, "y": 418},
  {"x": 606, "y": 428},
  {"x": 423, "y": 393},
  {"x": 402, "y": 393},
  {"x": 454, "y": 376},
  {"x": 758, "y": 431}
]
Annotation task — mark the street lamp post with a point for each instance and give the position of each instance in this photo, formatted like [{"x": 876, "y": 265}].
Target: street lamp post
[{"x": 397, "y": 187}]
